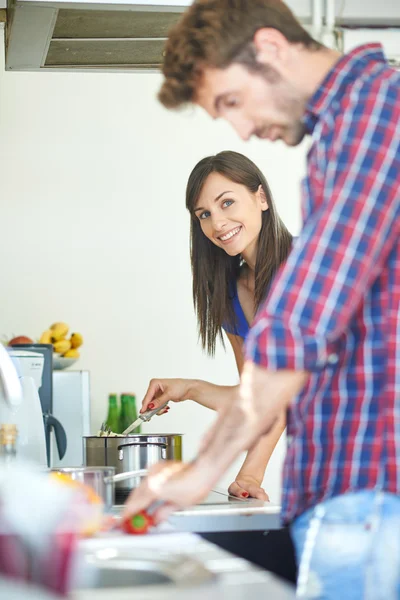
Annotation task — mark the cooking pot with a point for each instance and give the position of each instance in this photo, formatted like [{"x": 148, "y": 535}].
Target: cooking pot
[
  {"x": 101, "y": 479},
  {"x": 131, "y": 453}
]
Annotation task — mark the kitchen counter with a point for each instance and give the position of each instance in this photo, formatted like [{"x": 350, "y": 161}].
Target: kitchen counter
[
  {"x": 171, "y": 563},
  {"x": 247, "y": 528},
  {"x": 233, "y": 577},
  {"x": 222, "y": 512}
]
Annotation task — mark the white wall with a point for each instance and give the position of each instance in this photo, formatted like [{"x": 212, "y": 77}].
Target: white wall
[{"x": 94, "y": 230}]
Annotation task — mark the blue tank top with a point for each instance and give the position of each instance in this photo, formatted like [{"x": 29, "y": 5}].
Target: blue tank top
[{"x": 241, "y": 326}]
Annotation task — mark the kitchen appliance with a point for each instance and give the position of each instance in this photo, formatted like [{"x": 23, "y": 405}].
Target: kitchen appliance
[
  {"x": 51, "y": 423},
  {"x": 71, "y": 406},
  {"x": 25, "y": 411},
  {"x": 126, "y": 35},
  {"x": 131, "y": 452}
]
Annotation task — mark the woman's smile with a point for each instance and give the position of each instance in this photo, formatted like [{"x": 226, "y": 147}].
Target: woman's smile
[{"x": 228, "y": 237}]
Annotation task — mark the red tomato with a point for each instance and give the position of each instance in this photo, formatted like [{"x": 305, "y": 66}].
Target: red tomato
[{"x": 138, "y": 524}]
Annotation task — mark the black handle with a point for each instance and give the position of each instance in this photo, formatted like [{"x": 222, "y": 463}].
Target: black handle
[
  {"x": 51, "y": 422},
  {"x": 142, "y": 444}
]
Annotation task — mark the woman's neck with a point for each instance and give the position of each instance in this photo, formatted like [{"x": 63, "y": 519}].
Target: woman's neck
[{"x": 250, "y": 257}]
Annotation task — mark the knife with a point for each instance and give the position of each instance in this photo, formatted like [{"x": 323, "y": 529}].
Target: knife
[{"x": 146, "y": 416}]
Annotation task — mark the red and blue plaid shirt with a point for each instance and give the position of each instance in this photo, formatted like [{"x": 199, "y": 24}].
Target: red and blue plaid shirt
[{"x": 334, "y": 307}]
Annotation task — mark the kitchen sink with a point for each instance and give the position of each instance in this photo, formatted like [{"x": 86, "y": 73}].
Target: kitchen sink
[{"x": 121, "y": 568}]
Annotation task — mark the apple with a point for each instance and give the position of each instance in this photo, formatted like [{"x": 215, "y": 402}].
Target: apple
[{"x": 20, "y": 339}]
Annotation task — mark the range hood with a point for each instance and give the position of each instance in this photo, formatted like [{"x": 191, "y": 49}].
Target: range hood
[
  {"x": 109, "y": 35},
  {"x": 88, "y": 35}
]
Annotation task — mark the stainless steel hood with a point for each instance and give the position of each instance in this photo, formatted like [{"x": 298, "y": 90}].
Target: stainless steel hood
[
  {"x": 87, "y": 35},
  {"x": 106, "y": 35},
  {"x": 43, "y": 35}
]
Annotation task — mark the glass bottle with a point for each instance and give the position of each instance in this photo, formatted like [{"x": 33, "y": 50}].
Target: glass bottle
[
  {"x": 124, "y": 415},
  {"x": 8, "y": 443},
  {"x": 133, "y": 415},
  {"x": 113, "y": 413}
]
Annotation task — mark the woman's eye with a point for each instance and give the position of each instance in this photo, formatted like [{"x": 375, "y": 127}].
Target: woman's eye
[
  {"x": 204, "y": 215},
  {"x": 227, "y": 203}
]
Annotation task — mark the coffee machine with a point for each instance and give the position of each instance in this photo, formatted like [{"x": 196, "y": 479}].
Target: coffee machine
[
  {"x": 23, "y": 407},
  {"x": 51, "y": 423}
]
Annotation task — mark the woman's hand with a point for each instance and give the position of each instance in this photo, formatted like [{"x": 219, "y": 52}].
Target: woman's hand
[
  {"x": 246, "y": 486},
  {"x": 165, "y": 390}
]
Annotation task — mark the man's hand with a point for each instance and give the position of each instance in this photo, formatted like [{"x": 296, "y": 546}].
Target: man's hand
[
  {"x": 246, "y": 486},
  {"x": 173, "y": 485},
  {"x": 262, "y": 397}
]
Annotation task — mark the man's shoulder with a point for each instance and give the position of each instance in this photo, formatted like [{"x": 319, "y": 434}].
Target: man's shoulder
[
  {"x": 376, "y": 83},
  {"x": 375, "y": 93}
]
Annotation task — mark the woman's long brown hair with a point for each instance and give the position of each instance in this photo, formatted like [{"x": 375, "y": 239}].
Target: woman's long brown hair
[{"x": 214, "y": 270}]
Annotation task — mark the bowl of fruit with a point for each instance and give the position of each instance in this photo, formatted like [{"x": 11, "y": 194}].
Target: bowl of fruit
[{"x": 65, "y": 349}]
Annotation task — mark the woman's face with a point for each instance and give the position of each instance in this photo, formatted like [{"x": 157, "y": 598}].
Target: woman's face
[{"x": 230, "y": 215}]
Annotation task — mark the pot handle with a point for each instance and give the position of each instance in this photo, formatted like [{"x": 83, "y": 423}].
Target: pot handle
[
  {"x": 126, "y": 475},
  {"x": 122, "y": 446}
]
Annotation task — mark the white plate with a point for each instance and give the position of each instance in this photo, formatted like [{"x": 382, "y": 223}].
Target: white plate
[{"x": 60, "y": 362}]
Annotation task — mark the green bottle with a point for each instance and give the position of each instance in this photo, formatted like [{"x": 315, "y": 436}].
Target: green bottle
[
  {"x": 112, "y": 416},
  {"x": 124, "y": 416},
  {"x": 133, "y": 411}
]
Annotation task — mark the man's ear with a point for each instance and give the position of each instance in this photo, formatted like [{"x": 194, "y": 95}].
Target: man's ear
[
  {"x": 271, "y": 46},
  {"x": 263, "y": 198}
]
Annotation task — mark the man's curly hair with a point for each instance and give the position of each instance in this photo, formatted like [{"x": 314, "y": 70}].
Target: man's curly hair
[{"x": 216, "y": 33}]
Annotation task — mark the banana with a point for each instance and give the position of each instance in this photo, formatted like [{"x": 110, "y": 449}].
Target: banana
[
  {"x": 59, "y": 331},
  {"x": 76, "y": 340},
  {"x": 73, "y": 353},
  {"x": 46, "y": 336},
  {"x": 61, "y": 346}
]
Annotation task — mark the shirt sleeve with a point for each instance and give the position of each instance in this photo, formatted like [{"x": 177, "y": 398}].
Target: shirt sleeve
[{"x": 346, "y": 238}]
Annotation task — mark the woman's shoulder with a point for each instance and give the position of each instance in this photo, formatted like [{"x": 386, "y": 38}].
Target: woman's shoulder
[
  {"x": 236, "y": 288},
  {"x": 234, "y": 282}
]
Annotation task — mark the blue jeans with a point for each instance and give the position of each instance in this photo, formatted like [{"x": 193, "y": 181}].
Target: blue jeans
[{"x": 348, "y": 548}]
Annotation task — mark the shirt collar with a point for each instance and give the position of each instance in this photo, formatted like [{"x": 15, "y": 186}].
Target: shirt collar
[{"x": 345, "y": 70}]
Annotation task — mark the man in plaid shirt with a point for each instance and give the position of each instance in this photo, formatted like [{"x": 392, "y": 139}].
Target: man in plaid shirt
[{"x": 326, "y": 344}]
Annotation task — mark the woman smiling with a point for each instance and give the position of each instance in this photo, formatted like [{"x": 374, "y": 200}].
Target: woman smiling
[{"x": 238, "y": 242}]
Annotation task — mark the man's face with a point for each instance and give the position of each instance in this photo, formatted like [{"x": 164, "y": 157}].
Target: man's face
[{"x": 254, "y": 103}]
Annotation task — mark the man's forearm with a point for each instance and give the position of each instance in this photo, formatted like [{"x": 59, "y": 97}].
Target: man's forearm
[{"x": 262, "y": 397}]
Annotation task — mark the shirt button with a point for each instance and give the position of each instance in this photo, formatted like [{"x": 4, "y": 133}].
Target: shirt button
[{"x": 333, "y": 359}]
